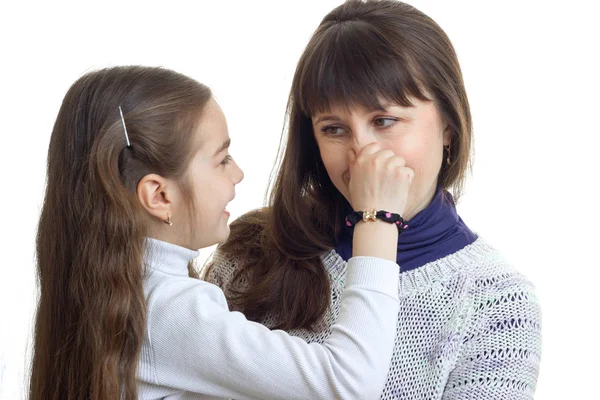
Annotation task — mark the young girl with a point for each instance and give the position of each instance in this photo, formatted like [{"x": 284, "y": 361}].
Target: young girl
[
  {"x": 469, "y": 324},
  {"x": 139, "y": 176}
]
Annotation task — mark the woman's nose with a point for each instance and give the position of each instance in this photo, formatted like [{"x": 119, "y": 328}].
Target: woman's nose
[{"x": 360, "y": 139}]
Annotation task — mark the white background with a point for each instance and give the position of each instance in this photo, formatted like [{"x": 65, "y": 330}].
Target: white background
[{"x": 531, "y": 73}]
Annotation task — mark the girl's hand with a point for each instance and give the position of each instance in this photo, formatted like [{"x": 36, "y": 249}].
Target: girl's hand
[{"x": 379, "y": 180}]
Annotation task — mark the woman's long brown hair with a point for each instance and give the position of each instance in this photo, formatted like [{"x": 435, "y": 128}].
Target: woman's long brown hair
[
  {"x": 91, "y": 315},
  {"x": 361, "y": 52}
]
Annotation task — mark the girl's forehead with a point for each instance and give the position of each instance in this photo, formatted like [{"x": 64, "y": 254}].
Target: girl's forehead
[{"x": 211, "y": 134}]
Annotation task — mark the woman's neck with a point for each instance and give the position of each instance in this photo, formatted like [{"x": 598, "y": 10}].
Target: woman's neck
[{"x": 421, "y": 204}]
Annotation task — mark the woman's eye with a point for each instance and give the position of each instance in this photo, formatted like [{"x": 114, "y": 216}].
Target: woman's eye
[
  {"x": 384, "y": 122},
  {"x": 226, "y": 160},
  {"x": 332, "y": 130}
]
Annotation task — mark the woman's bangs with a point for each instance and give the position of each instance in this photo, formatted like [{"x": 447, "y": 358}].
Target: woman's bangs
[{"x": 353, "y": 66}]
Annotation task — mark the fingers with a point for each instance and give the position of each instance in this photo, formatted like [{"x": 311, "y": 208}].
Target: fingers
[
  {"x": 406, "y": 175},
  {"x": 372, "y": 152},
  {"x": 373, "y": 157},
  {"x": 379, "y": 179},
  {"x": 371, "y": 148},
  {"x": 401, "y": 171}
]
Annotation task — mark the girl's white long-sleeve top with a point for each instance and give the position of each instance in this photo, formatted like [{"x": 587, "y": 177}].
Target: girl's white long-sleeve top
[{"x": 195, "y": 348}]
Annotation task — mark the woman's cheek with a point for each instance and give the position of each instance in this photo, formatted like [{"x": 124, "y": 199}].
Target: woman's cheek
[{"x": 331, "y": 161}]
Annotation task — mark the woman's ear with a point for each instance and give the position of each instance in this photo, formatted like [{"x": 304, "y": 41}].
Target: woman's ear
[
  {"x": 155, "y": 194},
  {"x": 448, "y": 134}
]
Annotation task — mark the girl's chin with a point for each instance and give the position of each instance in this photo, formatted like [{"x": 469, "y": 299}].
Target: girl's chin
[{"x": 221, "y": 234}]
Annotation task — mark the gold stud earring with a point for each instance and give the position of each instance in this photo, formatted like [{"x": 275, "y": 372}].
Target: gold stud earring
[{"x": 168, "y": 221}]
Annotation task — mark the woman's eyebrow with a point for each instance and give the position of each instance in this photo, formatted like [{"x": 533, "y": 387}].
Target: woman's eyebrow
[
  {"x": 382, "y": 107},
  {"x": 332, "y": 118}
]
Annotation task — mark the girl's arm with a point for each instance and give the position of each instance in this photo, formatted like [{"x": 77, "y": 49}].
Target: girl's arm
[{"x": 198, "y": 345}]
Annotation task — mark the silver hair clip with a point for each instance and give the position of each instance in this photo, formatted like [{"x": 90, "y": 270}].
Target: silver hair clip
[{"x": 124, "y": 127}]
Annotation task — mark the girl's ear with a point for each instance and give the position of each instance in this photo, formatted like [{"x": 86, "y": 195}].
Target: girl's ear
[{"x": 156, "y": 194}]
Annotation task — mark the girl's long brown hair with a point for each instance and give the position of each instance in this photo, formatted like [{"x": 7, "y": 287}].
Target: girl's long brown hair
[
  {"x": 91, "y": 315},
  {"x": 361, "y": 52}
]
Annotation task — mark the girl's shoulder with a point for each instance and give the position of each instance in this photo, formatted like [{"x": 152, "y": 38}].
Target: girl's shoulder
[{"x": 172, "y": 291}]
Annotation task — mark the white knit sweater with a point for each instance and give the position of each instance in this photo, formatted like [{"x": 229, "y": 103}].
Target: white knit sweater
[
  {"x": 195, "y": 348},
  {"x": 468, "y": 327}
]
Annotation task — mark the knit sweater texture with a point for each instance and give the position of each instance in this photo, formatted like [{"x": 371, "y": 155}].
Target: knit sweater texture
[{"x": 468, "y": 326}]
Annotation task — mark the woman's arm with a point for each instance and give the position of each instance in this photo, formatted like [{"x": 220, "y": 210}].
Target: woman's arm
[
  {"x": 500, "y": 354},
  {"x": 200, "y": 346}
]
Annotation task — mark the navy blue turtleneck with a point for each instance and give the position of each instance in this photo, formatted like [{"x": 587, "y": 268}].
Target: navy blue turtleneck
[{"x": 434, "y": 233}]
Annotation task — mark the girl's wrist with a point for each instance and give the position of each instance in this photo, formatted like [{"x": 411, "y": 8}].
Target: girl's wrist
[
  {"x": 375, "y": 239},
  {"x": 356, "y": 217}
]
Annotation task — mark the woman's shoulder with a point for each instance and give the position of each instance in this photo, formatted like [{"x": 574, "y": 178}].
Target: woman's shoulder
[
  {"x": 496, "y": 280},
  {"x": 487, "y": 266},
  {"x": 495, "y": 287}
]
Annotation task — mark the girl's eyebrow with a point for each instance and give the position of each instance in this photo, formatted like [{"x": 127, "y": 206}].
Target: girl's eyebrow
[{"x": 224, "y": 146}]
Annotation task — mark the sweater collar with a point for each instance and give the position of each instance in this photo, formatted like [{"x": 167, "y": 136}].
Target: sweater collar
[
  {"x": 433, "y": 233},
  {"x": 168, "y": 257}
]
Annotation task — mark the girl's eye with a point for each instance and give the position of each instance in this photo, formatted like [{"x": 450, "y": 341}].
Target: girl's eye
[
  {"x": 332, "y": 130},
  {"x": 384, "y": 122},
  {"x": 226, "y": 160}
]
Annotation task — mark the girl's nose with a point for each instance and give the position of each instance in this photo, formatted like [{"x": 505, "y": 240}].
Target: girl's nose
[{"x": 238, "y": 174}]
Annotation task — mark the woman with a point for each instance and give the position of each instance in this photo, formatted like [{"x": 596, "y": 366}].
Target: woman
[{"x": 383, "y": 72}]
